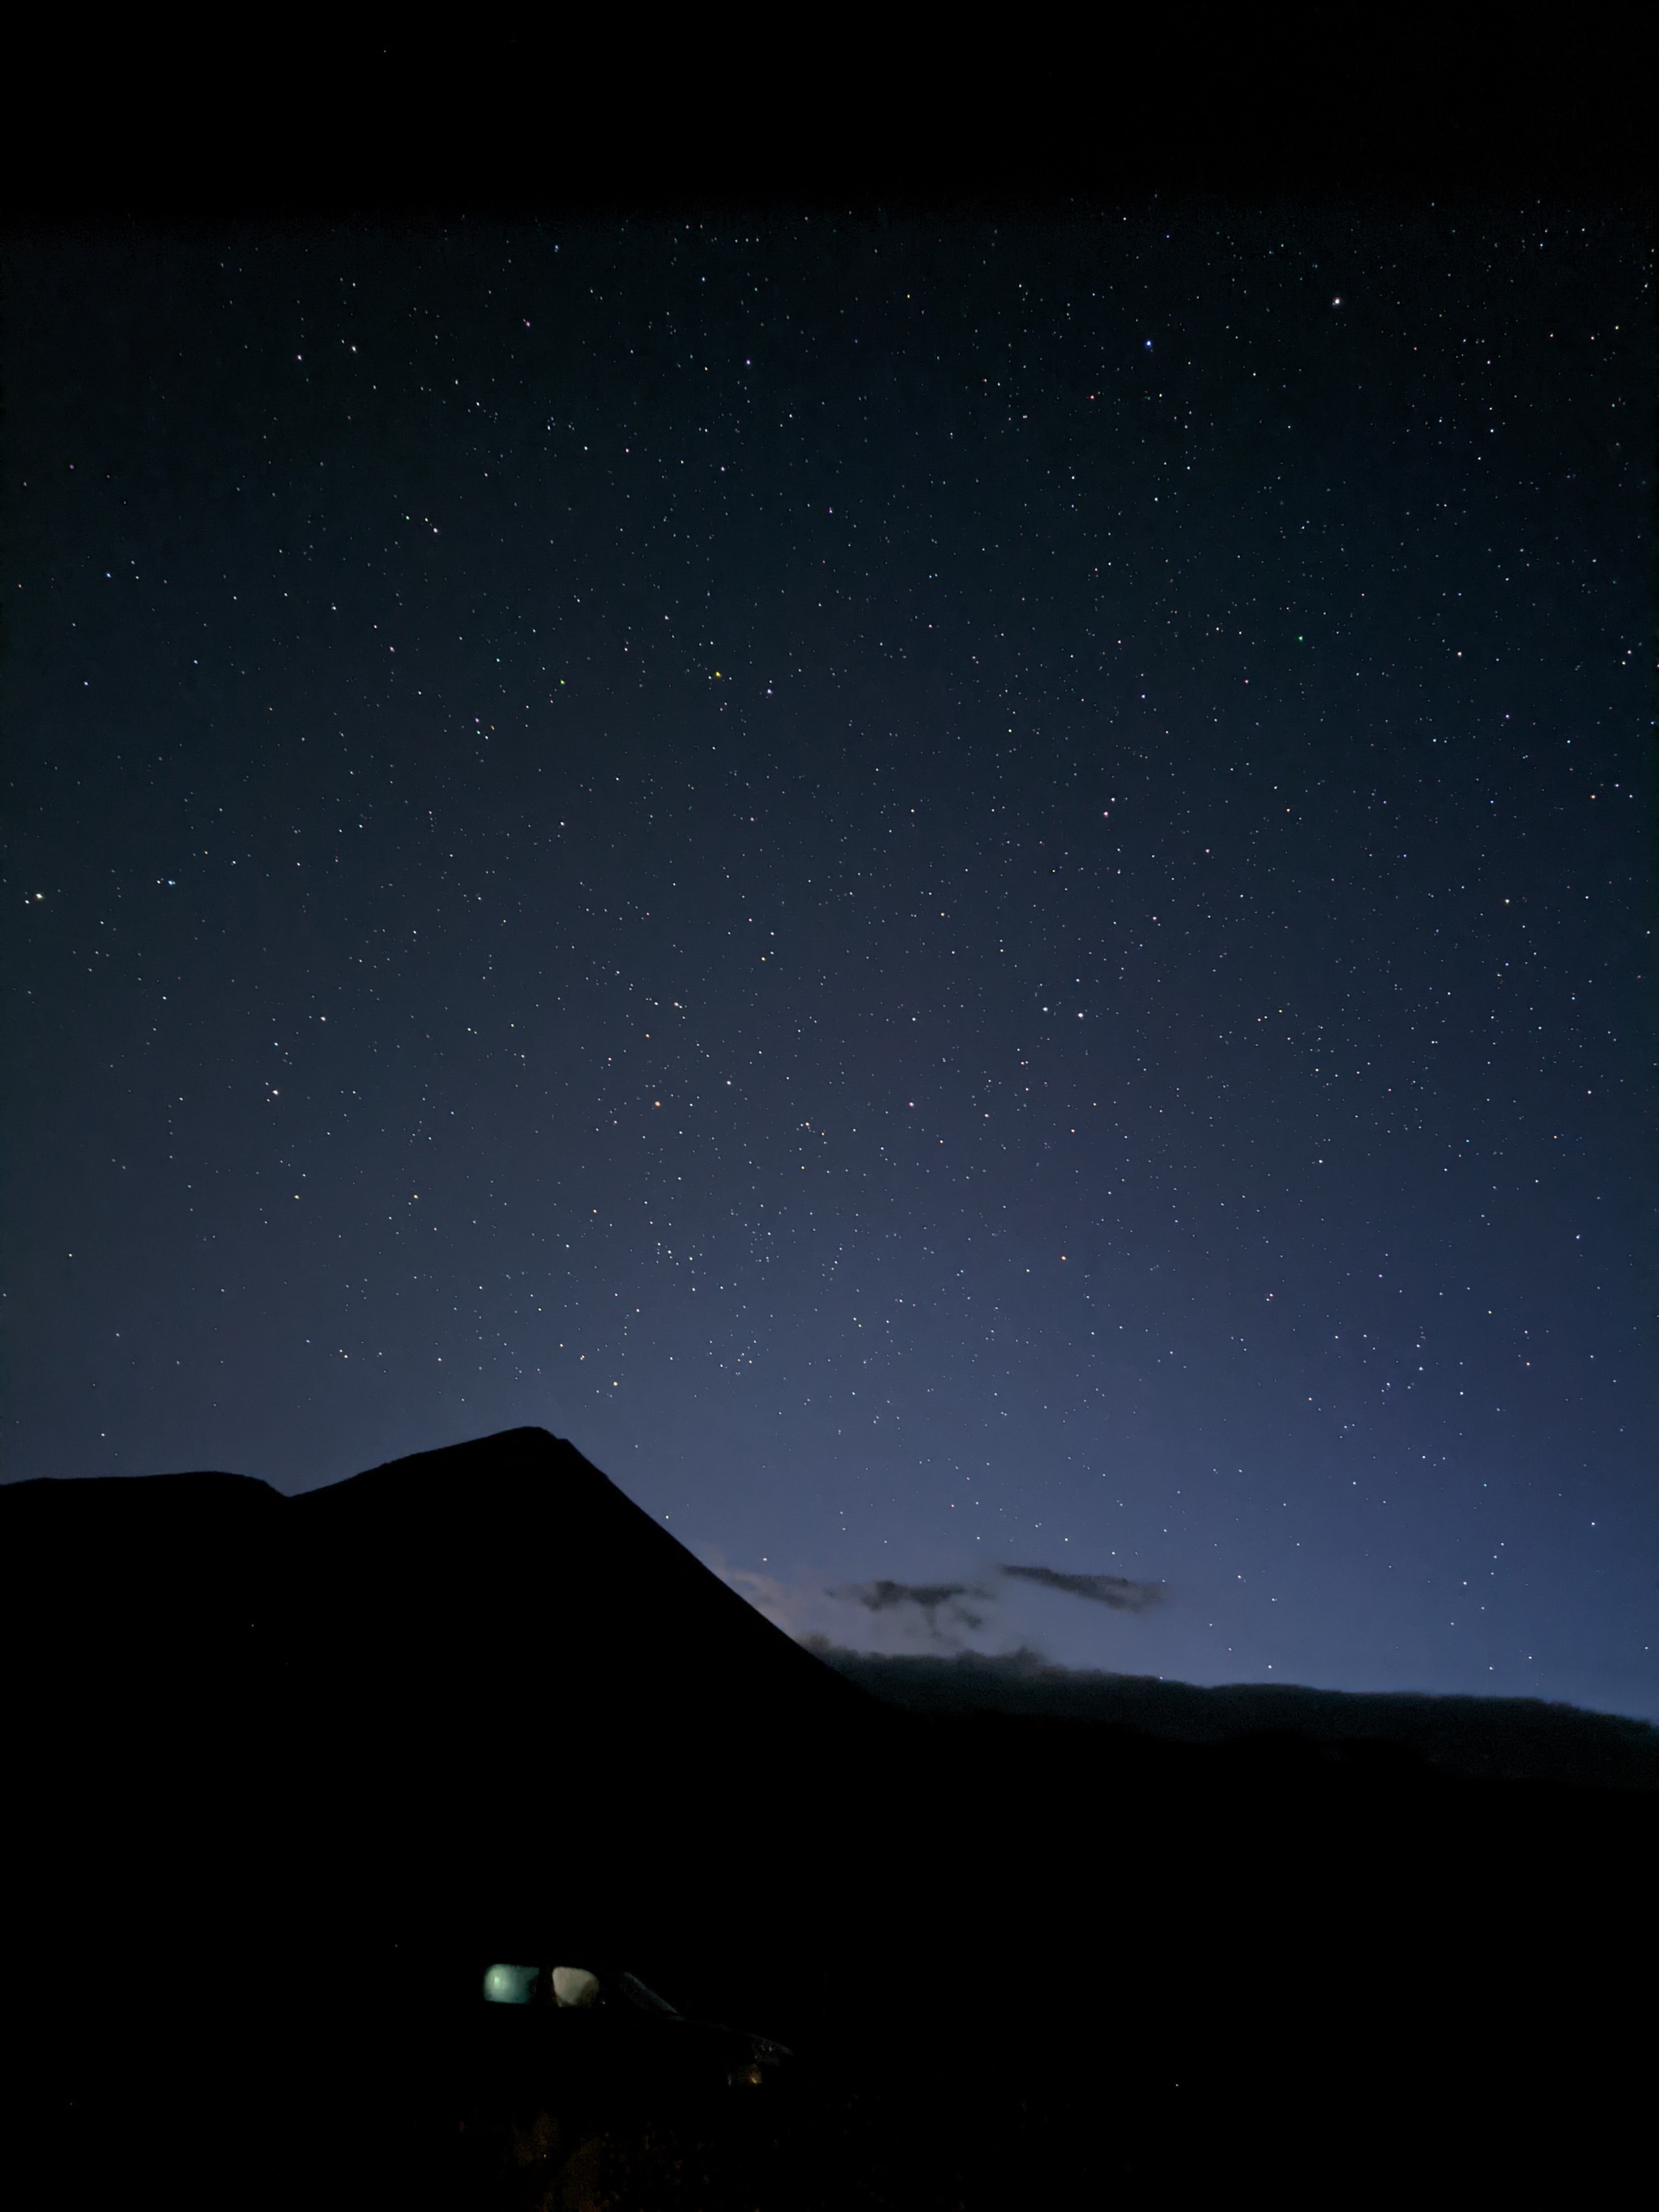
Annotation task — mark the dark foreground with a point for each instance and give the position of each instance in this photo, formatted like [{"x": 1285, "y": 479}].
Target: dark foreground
[{"x": 284, "y": 1777}]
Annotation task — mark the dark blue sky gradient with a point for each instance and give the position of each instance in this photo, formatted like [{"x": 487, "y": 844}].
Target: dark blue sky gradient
[{"x": 959, "y": 893}]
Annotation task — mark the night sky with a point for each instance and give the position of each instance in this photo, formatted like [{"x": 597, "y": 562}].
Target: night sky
[{"x": 966, "y": 893}]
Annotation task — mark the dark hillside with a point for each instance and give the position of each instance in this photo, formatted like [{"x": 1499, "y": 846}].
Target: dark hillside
[
  {"x": 478, "y": 1674},
  {"x": 1497, "y": 1738},
  {"x": 287, "y": 1773}
]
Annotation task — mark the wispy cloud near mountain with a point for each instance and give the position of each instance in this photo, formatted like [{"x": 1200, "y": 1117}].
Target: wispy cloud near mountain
[
  {"x": 981, "y": 1613},
  {"x": 1115, "y": 1590},
  {"x": 956, "y": 1601}
]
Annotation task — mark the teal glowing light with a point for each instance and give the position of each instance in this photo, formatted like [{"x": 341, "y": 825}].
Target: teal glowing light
[{"x": 510, "y": 1985}]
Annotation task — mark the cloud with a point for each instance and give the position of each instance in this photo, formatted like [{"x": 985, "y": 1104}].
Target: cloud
[
  {"x": 930, "y": 1599},
  {"x": 1115, "y": 1590},
  {"x": 983, "y": 1608},
  {"x": 797, "y": 1608}
]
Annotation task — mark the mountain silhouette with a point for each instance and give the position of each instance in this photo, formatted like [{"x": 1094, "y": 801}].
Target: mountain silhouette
[
  {"x": 473, "y": 1680},
  {"x": 286, "y": 1774},
  {"x": 1502, "y": 1739}
]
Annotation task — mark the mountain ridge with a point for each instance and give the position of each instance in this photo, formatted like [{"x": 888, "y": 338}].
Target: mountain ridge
[
  {"x": 1505, "y": 1738},
  {"x": 288, "y": 1772}
]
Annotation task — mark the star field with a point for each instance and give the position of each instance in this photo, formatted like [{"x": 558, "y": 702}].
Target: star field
[{"x": 972, "y": 892}]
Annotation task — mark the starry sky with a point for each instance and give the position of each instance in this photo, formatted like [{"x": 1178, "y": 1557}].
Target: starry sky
[{"x": 966, "y": 893}]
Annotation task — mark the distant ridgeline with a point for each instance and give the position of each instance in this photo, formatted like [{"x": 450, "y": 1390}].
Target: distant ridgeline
[
  {"x": 285, "y": 1775},
  {"x": 1506, "y": 1738}
]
